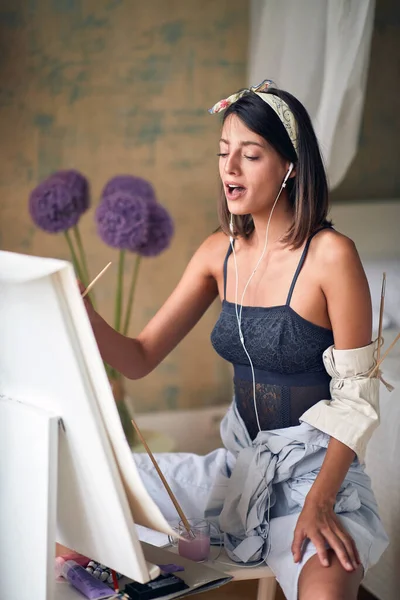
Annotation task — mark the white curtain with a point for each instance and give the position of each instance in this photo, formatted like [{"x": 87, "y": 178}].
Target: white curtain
[{"x": 319, "y": 51}]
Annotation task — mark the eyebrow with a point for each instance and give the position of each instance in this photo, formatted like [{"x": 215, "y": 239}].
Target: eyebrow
[{"x": 248, "y": 143}]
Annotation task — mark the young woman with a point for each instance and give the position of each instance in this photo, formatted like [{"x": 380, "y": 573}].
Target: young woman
[{"x": 289, "y": 486}]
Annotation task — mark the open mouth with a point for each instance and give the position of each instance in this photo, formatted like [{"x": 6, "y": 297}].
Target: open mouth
[{"x": 234, "y": 191}]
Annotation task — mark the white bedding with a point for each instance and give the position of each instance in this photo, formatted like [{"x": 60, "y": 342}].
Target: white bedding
[{"x": 383, "y": 466}]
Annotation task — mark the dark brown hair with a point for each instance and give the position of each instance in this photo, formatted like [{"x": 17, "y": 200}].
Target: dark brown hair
[{"x": 308, "y": 190}]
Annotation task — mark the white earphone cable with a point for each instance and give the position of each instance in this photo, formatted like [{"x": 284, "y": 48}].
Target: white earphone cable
[
  {"x": 239, "y": 322},
  {"x": 239, "y": 312}
]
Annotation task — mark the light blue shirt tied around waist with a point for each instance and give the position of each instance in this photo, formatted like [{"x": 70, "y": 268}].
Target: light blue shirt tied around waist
[{"x": 273, "y": 457}]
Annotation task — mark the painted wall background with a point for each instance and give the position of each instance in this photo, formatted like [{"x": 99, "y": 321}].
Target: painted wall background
[{"x": 123, "y": 86}]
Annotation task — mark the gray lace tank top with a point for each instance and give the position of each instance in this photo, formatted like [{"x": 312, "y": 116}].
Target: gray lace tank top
[{"x": 286, "y": 351}]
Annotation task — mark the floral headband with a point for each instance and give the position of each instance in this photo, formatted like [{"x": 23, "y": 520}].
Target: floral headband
[{"x": 277, "y": 104}]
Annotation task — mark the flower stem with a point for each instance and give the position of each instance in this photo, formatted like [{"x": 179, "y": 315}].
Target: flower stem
[
  {"x": 118, "y": 296},
  {"x": 82, "y": 255},
  {"x": 131, "y": 294},
  {"x": 85, "y": 270},
  {"x": 74, "y": 257}
]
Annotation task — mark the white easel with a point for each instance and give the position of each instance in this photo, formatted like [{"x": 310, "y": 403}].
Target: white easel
[{"x": 28, "y": 501}]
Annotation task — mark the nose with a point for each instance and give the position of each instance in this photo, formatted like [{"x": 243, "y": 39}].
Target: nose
[{"x": 232, "y": 164}]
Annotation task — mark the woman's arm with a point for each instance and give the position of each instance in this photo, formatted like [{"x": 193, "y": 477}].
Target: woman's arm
[
  {"x": 197, "y": 289},
  {"x": 346, "y": 290}
]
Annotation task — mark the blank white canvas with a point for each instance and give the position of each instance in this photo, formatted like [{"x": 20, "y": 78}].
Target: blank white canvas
[{"x": 49, "y": 358}]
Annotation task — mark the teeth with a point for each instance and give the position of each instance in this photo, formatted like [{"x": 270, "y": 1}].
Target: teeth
[{"x": 233, "y": 186}]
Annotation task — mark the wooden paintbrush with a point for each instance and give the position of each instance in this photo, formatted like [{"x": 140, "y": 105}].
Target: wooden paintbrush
[
  {"x": 91, "y": 284},
  {"x": 380, "y": 360},
  {"x": 378, "y": 364},
  {"x": 378, "y": 353},
  {"x": 165, "y": 483}
]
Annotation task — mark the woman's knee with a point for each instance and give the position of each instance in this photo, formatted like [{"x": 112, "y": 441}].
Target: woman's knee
[
  {"x": 328, "y": 583},
  {"x": 327, "y": 591}
]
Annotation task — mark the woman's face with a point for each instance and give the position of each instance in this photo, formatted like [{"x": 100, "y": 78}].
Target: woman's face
[{"x": 251, "y": 170}]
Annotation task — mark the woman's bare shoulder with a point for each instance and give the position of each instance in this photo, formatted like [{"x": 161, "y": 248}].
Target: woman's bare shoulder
[
  {"x": 217, "y": 242},
  {"x": 345, "y": 286},
  {"x": 213, "y": 250},
  {"x": 330, "y": 247}
]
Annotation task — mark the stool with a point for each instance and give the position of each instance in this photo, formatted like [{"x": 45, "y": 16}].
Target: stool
[{"x": 266, "y": 579}]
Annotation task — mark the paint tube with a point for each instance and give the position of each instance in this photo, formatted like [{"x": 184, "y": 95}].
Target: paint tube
[{"x": 82, "y": 580}]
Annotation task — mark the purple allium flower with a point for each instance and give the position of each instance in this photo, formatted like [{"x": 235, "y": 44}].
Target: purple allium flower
[
  {"x": 161, "y": 230},
  {"x": 58, "y": 202},
  {"x": 136, "y": 186},
  {"x": 123, "y": 220},
  {"x": 77, "y": 183}
]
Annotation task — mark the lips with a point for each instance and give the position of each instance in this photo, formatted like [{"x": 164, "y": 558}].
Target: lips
[{"x": 234, "y": 191}]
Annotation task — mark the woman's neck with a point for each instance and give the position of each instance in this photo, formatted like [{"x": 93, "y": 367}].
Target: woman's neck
[{"x": 280, "y": 223}]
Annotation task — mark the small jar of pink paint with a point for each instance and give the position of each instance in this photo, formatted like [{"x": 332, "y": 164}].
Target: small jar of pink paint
[{"x": 196, "y": 544}]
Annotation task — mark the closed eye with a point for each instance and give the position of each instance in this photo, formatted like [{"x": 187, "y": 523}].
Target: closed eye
[{"x": 223, "y": 154}]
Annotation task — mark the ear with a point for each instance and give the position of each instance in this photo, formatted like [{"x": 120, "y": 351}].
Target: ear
[
  {"x": 290, "y": 171},
  {"x": 288, "y": 174}
]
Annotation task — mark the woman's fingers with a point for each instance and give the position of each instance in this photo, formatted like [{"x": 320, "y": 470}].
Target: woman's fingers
[
  {"x": 325, "y": 531},
  {"x": 320, "y": 544},
  {"x": 297, "y": 544},
  {"x": 339, "y": 548},
  {"x": 349, "y": 545}
]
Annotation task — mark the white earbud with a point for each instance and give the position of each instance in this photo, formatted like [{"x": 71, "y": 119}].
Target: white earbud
[{"x": 290, "y": 169}]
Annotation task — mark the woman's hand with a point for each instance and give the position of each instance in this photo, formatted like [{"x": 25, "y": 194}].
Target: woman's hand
[
  {"x": 319, "y": 523},
  {"x": 88, "y": 304}
]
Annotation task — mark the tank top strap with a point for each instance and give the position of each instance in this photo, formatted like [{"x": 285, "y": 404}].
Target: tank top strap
[
  {"x": 302, "y": 260},
  {"x": 226, "y": 266}
]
